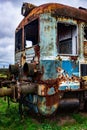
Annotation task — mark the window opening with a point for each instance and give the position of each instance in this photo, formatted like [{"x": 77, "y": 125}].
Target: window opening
[
  {"x": 85, "y": 33},
  {"x": 31, "y": 34},
  {"x": 67, "y": 38},
  {"x": 85, "y": 41},
  {"x": 18, "y": 40},
  {"x": 28, "y": 44}
]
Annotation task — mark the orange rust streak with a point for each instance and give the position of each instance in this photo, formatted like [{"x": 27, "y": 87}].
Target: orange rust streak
[
  {"x": 57, "y": 9},
  {"x": 51, "y": 100}
]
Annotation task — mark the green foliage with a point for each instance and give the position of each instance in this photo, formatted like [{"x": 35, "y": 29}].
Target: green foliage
[
  {"x": 80, "y": 124},
  {"x": 10, "y": 120},
  {"x": 3, "y": 76},
  {"x": 3, "y": 73},
  {"x": 46, "y": 126},
  {"x": 79, "y": 118}
]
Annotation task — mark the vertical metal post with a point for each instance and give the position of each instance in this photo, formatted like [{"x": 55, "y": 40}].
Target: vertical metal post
[
  {"x": 23, "y": 38},
  {"x": 80, "y": 39}
]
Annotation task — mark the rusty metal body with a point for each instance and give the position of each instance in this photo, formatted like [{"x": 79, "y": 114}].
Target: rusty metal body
[{"x": 51, "y": 52}]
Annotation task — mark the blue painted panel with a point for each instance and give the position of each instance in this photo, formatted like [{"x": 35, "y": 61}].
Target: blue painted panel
[
  {"x": 48, "y": 53},
  {"x": 51, "y": 91},
  {"x": 31, "y": 105},
  {"x": 71, "y": 67},
  {"x": 74, "y": 87},
  {"x": 50, "y": 68},
  {"x": 63, "y": 87},
  {"x": 69, "y": 86}
]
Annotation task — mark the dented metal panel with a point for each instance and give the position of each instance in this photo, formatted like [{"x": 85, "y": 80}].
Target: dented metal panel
[
  {"x": 29, "y": 53},
  {"x": 24, "y": 56},
  {"x": 17, "y": 57},
  {"x": 47, "y": 105},
  {"x": 64, "y": 76}
]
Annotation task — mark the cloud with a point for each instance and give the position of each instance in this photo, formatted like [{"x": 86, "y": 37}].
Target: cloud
[
  {"x": 7, "y": 50},
  {"x": 75, "y": 3},
  {"x": 9, "y": 15},
  {"x": 9, "y": 20}
]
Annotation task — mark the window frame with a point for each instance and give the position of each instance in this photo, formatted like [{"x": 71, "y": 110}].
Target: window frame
[{"x": 75, "y": 27}]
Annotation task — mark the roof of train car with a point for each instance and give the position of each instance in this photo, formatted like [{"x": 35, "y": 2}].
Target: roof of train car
[{"x": 55, "y": 9}]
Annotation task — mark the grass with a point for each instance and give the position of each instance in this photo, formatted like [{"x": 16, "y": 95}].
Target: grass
[
  {"x": 3, "y": 73},
  {"x": 3, "y": 76},
  {"x": 10, "y": 120}
]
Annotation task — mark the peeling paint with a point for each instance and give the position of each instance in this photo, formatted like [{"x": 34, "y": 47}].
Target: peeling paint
[{"x": 55, "y": 62}]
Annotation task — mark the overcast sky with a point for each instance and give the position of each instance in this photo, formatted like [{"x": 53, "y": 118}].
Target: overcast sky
[{"x": 10, "y": 16}]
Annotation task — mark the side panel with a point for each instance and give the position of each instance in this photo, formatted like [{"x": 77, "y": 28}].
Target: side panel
[
  {"x": 53, "y": 67},
  {"x": 50, "y": 68},
  {"x": 48, "y": 35},
  {"x": 66, "y": 72},
  {"x": 22, "y": 56}
]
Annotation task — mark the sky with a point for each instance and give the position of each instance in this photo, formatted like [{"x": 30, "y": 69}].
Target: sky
[{"x": 10, "y": 17}]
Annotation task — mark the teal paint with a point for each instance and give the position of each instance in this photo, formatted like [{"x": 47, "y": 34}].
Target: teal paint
[
  {"x": 48, "y": 35},
  {"x": 50, "y": 68},
  {"x": 51, "y": 91}
]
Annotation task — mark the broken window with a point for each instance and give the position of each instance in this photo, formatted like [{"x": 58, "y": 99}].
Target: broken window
[
  {"x": 28, "y": 44},
  {"x": 85, "y": 32},
  {"x": 67, "y": 38},
  {"x": 18, "y": 40},
  {"x": 31, "y": 34}
]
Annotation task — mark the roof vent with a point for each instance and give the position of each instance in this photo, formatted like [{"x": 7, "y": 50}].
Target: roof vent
[{"x": 26, "y": 8}]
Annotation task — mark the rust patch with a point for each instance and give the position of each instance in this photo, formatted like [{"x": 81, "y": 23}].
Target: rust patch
[
  {"x": 85, "y": 48},
  {"x": 51, "y": 100},
  {"x": 73, "y": 58},
  {"x": 37, "y": 51},
  {"x": 56, "y": 10}
]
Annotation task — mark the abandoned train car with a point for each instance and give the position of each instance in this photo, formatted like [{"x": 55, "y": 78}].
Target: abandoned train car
[
  {"x": 51, "y": 57},
  {"x": 51, "y": 49}
]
